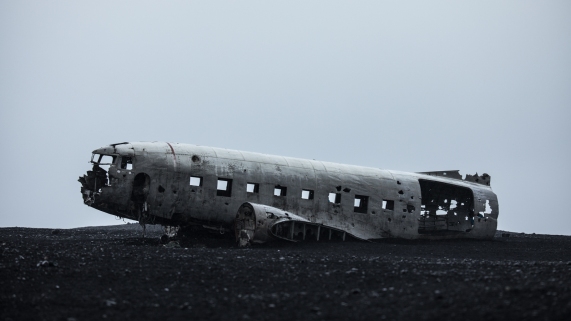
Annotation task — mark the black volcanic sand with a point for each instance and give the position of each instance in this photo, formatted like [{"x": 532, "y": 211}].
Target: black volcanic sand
[{"x": 115, "y": 273}]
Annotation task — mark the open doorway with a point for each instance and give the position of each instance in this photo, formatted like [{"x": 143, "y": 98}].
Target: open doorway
[{"x": 139, "y": 195}]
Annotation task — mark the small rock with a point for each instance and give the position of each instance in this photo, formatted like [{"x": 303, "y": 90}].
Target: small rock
[
  {"x": 45, "y": 263},
  {"x": 172, "y": 244}
]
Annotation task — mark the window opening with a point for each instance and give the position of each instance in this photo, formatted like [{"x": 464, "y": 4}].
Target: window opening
[
  {"x": 335, "y": 198},
  {"x": 103, "y": 161},
  {"x": 307, "y": 194},
  {"x": 280, "y": 190},
  {"x": 106, "y": 160},
  {"x": 253, "y": 188},
  {"x": 361, "y": 203},
  {"x": 195, "y": 181},
  {"x": 388, "y": 205},
  {"x": 224, "y": 187},
  {"x": 126, "y": 163},
  {"x": 488, "y": 209}
]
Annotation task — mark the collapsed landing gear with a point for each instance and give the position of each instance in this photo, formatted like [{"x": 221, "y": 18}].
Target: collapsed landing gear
[
  {"x": 243, "y": 239},
  {"x": 245, "y": 225}
]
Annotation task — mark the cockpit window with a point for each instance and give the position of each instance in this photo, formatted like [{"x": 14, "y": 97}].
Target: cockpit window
[
  {"x": 103, "y": 159},
  {"x": 106, "y": 160},
  {"x": 126, "y": 162}
]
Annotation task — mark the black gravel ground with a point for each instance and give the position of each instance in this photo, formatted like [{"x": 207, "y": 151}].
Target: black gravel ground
[{"x": 114, "y": 273}]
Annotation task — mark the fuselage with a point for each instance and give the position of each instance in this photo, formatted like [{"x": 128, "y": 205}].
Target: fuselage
[{"x": 177, "y": 184}]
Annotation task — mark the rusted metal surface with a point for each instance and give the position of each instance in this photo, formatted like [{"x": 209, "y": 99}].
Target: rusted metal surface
[{"x": 263, "y": 197}]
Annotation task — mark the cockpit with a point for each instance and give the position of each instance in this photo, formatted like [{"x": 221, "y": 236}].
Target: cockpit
[
  {"x": 105, "y": 161},
  {"x": 111, "y": 169}
]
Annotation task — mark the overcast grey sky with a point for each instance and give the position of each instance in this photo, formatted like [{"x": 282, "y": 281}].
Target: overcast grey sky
[{"x": 480, "y": 86}]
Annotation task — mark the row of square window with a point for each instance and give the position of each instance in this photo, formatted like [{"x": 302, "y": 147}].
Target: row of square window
[{"x": 224, "y": 188}]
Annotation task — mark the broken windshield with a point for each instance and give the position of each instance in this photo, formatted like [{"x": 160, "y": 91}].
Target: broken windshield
[
  {"x": 104, "y": 161},
  {"x": 126, "y": 163}
]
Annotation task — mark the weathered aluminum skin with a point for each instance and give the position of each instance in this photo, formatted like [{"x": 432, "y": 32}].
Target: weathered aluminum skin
[{"x": 162, "y": 193}]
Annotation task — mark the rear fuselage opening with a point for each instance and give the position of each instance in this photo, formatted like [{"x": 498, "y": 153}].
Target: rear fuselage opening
[{"x": 445, "y": 208}]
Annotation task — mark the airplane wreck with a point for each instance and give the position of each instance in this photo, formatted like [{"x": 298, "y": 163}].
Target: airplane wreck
[{"x": 263, "y": 197}]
